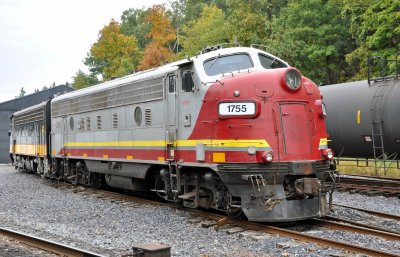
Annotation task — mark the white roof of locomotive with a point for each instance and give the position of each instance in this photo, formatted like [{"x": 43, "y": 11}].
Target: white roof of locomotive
[
  {"x": 156, "y": 72},
  {"x": 118, "y": 82}
]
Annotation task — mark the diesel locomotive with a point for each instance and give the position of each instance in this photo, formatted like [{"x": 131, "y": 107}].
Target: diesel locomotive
[{"x": 233, "y": 129}]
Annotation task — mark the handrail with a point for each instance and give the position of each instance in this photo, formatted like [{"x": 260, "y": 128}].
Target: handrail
[{"x": 383, "y": 68}]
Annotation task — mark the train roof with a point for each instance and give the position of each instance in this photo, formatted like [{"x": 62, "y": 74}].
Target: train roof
[
  {"x": 156, "y": 72},
  {"x": 351, "y": 83},
  {"x": 33, "y": 107},
  {"x": 123, "y": 80}
]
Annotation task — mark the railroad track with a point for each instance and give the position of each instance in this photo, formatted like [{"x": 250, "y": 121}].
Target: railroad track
[
  {"x": 221, "y": 220},
  {"x": 371, "y": 185},
  {"x": 47, "y": 245},
  {"x": 357, "y": 227},
  {"x": 379, "y": 214},
  {"x": 319, "y": 240}
]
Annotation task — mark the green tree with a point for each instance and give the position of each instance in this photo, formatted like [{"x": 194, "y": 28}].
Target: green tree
[
  {"x": 192, "y": 9},
  {"x": 114, "y": 54},
  {"x": 22, "y": 92},
  {"x": 247, "y": 22},
  {"x": 375, "y": 25},
  {"x": 209, "y": 29},
  {"x": 134, "y": 24},
  {"x": 82, "y": 80},
  {"x": 313, "y": 36}
]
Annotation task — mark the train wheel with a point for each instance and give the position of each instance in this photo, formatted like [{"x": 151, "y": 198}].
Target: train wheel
[
  {"x": 236, "y": 213},
  {"x": 159, "y": 187},
  {"x": 74, "y": 178},
  {"x": 95, "y": 180}
]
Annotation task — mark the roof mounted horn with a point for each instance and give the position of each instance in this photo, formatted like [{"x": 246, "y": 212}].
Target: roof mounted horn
[{"x": 208, "y": 49}]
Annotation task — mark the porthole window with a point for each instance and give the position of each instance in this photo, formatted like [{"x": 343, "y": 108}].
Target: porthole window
[
  {"x": 71, "y": 123},
  {"x": 138, "y": 116}
]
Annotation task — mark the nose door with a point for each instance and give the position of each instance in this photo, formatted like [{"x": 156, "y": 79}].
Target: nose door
[{"x": 295, "y": 128}]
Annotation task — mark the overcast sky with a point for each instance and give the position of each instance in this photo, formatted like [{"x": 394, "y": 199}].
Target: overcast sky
[{"x": 45, "y": 41}]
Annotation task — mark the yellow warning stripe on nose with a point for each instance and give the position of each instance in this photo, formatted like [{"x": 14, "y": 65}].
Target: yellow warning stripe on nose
[{"x": 323, "y": 143}]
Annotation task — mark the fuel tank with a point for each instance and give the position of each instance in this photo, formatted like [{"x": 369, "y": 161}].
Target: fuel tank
[{"x": 362, "y": 117}]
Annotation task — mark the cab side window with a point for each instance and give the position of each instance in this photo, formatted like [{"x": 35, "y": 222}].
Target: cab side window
[
  {"x": 171, "y": 83},
  {"x": 187, "y": 81},
  {"x": 270, "y": 63}
]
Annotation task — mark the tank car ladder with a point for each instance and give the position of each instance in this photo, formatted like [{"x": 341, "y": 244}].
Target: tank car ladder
[
  {"x": 380, "y": 156},
  {"x": 377, "y": 130},
  {"x": 376, "y": 110}
]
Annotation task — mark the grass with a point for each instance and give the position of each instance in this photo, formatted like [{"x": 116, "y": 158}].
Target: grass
[{"x": 366, "y": 167}]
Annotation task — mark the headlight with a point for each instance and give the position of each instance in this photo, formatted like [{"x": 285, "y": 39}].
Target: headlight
[
  {"x": 251, "y": 150},
  {"x": 293, "y": 79},
  {"x": 321, "y": 108},
  {"x": 327, "y": 154},
  {"x": 267, "y": 156},
  {"x": 324, "y": 109}
]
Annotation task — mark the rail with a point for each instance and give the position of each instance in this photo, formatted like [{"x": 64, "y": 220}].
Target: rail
[
  {"x": 309, "y": 238},
  {"x": 379, "y": 214},
  {"x": 357, "y": 227},
  {"x": 47, "y": 245}
]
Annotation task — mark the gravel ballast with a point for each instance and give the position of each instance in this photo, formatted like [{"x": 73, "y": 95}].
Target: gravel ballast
[{"x": 31, "y": 205}]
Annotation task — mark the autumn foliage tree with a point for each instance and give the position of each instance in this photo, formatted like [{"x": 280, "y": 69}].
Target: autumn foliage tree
[
  {"x": 328, "y": 40},
  {"x": 114, "y": 54},
  {"x": 162, "y": 34}
]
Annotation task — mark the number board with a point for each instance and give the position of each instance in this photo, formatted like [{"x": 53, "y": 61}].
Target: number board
[{"x": 237, "y": 109}]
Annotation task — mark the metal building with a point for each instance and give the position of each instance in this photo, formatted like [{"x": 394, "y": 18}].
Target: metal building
[{"x": 9, "y": 107}]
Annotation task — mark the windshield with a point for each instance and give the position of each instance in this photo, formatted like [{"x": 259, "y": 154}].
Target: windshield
[
  {"x": 228, "y": 63},
  {"x": 270, "y": 63}
]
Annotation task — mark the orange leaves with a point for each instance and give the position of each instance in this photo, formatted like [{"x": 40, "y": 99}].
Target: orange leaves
[
  {"x": 116, "y": 54},
  {"x": 161, "y": 31},
  {"x": 154, "y": 56},
  {"x": 162, "y": 34}
]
